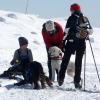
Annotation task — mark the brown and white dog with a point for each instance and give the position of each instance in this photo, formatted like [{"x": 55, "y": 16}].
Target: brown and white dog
[{"x": 56, "y": 59}]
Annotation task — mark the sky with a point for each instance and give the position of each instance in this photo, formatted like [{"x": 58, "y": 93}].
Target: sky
[{"x": 54, "y": 8}]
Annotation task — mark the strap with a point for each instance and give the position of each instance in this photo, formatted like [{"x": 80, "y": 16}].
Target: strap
[{"x": 56, "y": 58}]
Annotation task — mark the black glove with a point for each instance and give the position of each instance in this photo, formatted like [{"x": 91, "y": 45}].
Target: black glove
[{"x": 12, "y": 62}]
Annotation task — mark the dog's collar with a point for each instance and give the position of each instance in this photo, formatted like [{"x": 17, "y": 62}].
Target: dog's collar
[{"x": 56, "y": 58}]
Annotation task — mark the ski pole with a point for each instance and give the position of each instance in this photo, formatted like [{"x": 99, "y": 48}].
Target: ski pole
[
  {"x": 94, "y": 60},
  {"x": 84, "y": 67}
]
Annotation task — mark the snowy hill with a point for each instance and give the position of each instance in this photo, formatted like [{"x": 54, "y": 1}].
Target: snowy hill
[{"x": 14, "y": 25}]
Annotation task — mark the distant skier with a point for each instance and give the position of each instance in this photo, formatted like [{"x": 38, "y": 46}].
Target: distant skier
[
  {"x": 22, "y": 57},
  {"x": 52, "y": 33},
  {"x": 76, "y": 31}
]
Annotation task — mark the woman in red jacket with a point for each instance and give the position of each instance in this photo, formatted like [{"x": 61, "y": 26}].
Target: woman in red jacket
[{"x": 52, "y": 33}]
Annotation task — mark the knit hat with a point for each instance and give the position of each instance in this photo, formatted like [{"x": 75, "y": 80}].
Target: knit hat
[
  {"x": 75, "y": 7},
  {"x": 22, "y": 41},
  {"x": 49, "y": 25}
]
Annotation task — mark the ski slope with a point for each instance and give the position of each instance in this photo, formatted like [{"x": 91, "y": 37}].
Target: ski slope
[{"x": 14, "y": 25}]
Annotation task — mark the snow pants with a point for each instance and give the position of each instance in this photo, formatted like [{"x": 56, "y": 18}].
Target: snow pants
[{"x": 77, "y": 47}]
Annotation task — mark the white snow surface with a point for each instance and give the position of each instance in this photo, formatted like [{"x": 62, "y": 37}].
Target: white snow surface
[{"x": 14, "y": 25}]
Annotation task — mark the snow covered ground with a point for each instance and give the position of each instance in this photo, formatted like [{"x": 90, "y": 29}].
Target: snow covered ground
[{"x": 14, "y": 25}]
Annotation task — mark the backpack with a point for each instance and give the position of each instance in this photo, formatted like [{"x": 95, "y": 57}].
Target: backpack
[{"x": 84, "y": 24}]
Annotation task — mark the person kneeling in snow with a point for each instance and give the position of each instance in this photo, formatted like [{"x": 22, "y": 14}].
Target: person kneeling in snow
[{"x": 22, "y": 58}]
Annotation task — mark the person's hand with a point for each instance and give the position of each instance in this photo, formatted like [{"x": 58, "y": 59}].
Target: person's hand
[
  {"x": 83, "y": 34},
  {"x": 12, "y": 62}
]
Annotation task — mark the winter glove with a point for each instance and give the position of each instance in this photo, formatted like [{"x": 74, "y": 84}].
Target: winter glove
[
  {"x": 12, "y": 62},
  {"x": 83, "y": 33}
]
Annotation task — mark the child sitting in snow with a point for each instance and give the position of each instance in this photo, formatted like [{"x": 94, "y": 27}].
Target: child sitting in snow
[{"x": 22, "y": 58}]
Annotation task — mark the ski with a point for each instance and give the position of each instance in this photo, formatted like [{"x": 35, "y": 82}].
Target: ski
[
  {"x": 76, "y": 90},
  {"x": 91, "y": 91},
  {"x": 82, "y": 90}
]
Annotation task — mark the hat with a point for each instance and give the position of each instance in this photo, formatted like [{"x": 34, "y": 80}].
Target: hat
[
  {"x": 49, "y": 25},
  {"x": 22, "y": 41},
  {"x": 75, "y": 7}
]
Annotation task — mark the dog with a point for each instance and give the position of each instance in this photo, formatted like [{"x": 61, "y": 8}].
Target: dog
[
  {"x": 56, "y": 55},
  {"x": 35, "y": 74}
]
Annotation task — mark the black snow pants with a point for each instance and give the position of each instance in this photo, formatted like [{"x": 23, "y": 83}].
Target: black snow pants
[{"x": 77, "y": 47}]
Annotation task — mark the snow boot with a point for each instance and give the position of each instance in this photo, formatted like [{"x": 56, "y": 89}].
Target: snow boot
[
  {"x": 60, "y": 82},
  {"x": 36, "y": 86},
  {"x": 77, "y": 85}
]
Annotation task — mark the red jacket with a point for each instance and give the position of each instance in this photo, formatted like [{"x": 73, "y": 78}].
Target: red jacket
[{"x": 53, "y": 40}]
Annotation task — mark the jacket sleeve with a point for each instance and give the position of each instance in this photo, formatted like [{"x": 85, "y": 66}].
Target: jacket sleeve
[
  {"x": 86, "y": 26},
  {"x": 15, "y": 58},
  {"x": 89, "y": 29},
  {"x": 66, "y": 31}
]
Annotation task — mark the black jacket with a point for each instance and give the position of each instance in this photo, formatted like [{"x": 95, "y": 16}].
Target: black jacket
[{"x": 73, "y": 26}]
